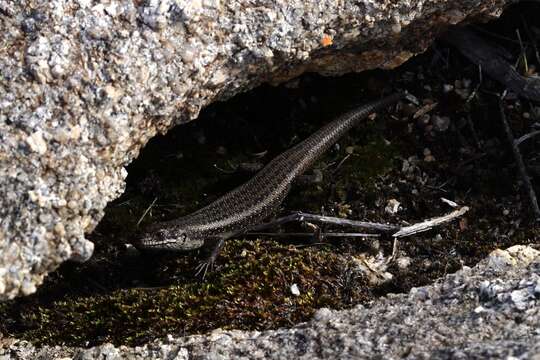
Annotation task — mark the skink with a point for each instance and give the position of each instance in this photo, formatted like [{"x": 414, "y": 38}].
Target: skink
[{"x": 249, "y": 204}]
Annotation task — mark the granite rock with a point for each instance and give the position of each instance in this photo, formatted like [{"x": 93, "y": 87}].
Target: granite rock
[{"x": 85, "y": 84}]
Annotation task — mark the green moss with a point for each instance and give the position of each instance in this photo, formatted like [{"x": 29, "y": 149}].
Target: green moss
[{"x": 250, "y": 290}]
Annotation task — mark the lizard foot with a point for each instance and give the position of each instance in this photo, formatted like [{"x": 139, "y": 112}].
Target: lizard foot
[
  {"x": 204, "y": 267},
  {"x": 207, "y": 265}
]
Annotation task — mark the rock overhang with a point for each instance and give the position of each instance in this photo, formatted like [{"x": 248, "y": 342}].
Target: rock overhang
[{"x": 85, "y": 85}]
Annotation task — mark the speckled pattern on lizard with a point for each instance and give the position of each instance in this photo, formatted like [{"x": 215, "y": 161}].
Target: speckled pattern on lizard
[{"x": 249, "y": 204}]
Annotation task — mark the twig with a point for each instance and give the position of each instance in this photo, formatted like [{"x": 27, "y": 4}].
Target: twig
[
  {"x": 429, "y": 224},
  {"x": 519, "y": 161},
  {"x": 493, "y": 35},
  {"x": 523, "y": 52},
  {"x": 323, "y": 235},
  {"x": 341, "y": 163},
  {"x": 474, "y": 92},
  {"x": 525, "y": 137},
  {"x": 300, "y": 216},
  {"x": 492, "y": 58},
  {"x": 146, "y": 212},
  {"x": 228, "y": 172},
  {"x": 474, "y": 158},
  {"x": 401, "y": 231},
  {"x": 395, "y": 252},
  {"x": 531, "y": 37},
  {"x": 450, "y": 203}
]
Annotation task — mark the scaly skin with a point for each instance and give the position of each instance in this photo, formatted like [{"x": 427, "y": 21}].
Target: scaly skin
[{"x": 249, "y": 204}]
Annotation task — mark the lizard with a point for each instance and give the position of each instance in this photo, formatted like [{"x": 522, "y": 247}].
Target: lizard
[{"x": 248, "y": 205}]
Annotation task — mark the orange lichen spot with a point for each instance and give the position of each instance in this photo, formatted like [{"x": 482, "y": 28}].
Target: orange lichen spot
[{"x": 326, "y": 40}]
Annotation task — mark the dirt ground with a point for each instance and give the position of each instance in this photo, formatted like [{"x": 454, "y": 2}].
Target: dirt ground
[{"x": 455, "y": 150}]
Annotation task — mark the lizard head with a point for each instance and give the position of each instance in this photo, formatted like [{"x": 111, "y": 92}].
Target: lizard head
[{"x": 166, "y": 238}]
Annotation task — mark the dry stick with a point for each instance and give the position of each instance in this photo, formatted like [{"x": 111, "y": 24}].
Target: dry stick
[
  {"x": 146, "y": 212},
  {"x": 531, "y": 38},
  {"x": 300, "y": 216},
  {"x": 329, "y": 234},
  {"x": 401, "y": 231},
  {"x": 525, "y": 137},
  {"x": 469, "y": 99},
  {"x": 492, "y": 58},
  {"x": 523, "y": 54},
  {"x": 519, "y": 161},
  {"x": 341, "y": 163},
  {"x": 429, "y": 224},
  {"x": 493, "y": 35}
]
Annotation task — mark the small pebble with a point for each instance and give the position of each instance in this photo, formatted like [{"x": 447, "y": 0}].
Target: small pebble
[
  {"x": 221, "y": 150},
  {"x": 375, "y": 245},
  {"x": 440, "y": 123},
  {"x": 403, "y": 262},
  {"x": 392, "y": 206},
  {"x": 294, "y": 290},
  {"x": 428, "y": 157}
]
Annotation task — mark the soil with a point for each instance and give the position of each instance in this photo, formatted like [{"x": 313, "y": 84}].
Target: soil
[{"x": 457, "y": 150}]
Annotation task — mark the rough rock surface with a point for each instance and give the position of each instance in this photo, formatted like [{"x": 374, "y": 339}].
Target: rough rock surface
[
  {"x": 85, "y": 84},
  {"x": 491, "y": 311}
]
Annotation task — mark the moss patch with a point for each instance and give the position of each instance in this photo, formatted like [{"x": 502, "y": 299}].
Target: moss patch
[{"x": 251, "y": 289}]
